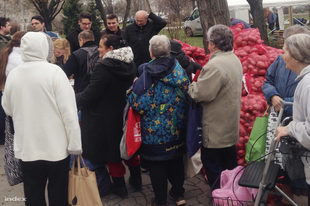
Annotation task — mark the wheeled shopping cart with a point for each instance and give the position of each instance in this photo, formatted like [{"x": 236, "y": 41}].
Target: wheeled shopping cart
[{"x": 263, "y": 175}]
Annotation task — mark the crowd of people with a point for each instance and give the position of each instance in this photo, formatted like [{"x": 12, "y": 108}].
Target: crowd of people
[{"x": 153, "y": 75}]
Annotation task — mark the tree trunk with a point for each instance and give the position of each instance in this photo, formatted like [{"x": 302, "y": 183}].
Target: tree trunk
[
  {"x": 212, "y": 12},
  {"x": 259, "y": 19},
  {"x": 149, "y": 10},
  {"x": 193, "y": 4},
  {"x": 102, "y": 12},
  {"x": 126, "y": 13},
  {"x": 48, "y": 11}
]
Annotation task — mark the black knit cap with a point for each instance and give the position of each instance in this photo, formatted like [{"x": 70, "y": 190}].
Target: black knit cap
[{"x": 175, "y": 46}]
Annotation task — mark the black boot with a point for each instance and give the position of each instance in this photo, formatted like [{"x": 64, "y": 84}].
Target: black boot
[
  {"x": 135, "y": 178},
  {"x": 119, "y": 187}
]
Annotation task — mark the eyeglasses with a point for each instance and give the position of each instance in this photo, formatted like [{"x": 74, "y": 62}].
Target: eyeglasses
[{"x": 86, "y": 24}]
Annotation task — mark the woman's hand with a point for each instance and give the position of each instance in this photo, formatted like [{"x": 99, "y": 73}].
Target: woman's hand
[
  {"x": 281, "y": 132},
  {"x": 275, "y": 100},
  {"x": 71, "y": 78}
]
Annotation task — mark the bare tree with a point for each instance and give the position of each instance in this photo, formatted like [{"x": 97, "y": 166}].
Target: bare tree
[
  {"x": 257, "y": 12},
  {"x": 126, "y": 13},
  {"x": 212, "y": 12},
  {"x": 149, "y": 10},
  {"x": 176, "y": 6},
  {"x": 108, "y": 5},
  {"x": 48, "y": 10},
  {"x": 102, "y": 12},
  {"x": 193, "y": 4}
]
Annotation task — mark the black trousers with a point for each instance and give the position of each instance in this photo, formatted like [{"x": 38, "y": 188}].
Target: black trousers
[
  {"x": 38, "y": 173},
  {"x": 271, "y": 26},
  {"x": 217, "y": 160},
  {"x": 160, "y": 171}
]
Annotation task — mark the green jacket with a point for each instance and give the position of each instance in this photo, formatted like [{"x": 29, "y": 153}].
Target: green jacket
[{"x": 3, "y": 41}]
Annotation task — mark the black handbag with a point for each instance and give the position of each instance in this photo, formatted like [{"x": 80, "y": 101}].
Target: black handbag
[{"x": 292, "y": 152}]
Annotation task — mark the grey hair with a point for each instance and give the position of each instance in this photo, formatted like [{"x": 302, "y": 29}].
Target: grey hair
[
  {"x": 295, "y": 29},
  {"x": 160, "y": 46},
  {"x": 222, "y": 37},
  {"x": 298, "y": 45}
]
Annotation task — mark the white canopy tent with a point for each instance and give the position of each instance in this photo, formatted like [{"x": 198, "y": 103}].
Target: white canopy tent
[
  {"x": 279, "y": 4},
  {"x": 243, "y": 4}
]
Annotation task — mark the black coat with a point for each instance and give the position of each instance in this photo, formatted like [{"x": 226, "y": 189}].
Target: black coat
[
  {"x": 138, "y": 37},
  {"x": 119, "y": 32},
  {"x": 187, "y": 64},
  {"x": 103, "y": 102},
  {"x": 73, "y": 38}
]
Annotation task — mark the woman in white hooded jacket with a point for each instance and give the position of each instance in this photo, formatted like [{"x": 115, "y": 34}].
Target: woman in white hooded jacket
[
  {"x": 297, "y": 58},
  {"x": 41, "y": 101}
]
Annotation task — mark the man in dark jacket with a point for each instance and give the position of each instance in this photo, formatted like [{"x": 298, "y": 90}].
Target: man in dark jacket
[
  {"x": 112, "y": 26},
  {"x": 5, "y": 29},
  {"x": 84, "y": 25},
  {"x": 77, "y": 62},
  {"x": 138, "y": 34}
]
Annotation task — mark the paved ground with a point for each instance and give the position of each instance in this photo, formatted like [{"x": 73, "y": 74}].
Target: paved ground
[{"x": 196, "y": 192}]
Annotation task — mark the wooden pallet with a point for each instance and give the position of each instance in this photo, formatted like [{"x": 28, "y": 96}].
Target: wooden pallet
[{"x": 279, "y": 35}]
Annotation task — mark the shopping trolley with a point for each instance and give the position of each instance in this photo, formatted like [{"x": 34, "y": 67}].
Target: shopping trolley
[{"x": 263, "y": 175}]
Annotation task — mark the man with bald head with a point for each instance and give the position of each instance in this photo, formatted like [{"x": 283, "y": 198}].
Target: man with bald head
[{"x": 138, "y": 34}]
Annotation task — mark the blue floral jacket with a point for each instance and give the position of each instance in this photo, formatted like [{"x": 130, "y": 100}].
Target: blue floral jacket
[{"x": 160, "y": 96}]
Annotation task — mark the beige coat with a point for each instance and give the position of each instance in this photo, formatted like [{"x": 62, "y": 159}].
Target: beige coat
[{"x": 218, "y": 88}]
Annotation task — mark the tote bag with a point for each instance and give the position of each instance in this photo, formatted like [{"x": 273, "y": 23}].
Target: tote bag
[
  {"x": 194, "y": 128},
  {"x": 256, "y": 145},
  {"x": 133, "y": 132},
  {"x": 83, "y": 189},
  {"x": 12, "y": 166}
]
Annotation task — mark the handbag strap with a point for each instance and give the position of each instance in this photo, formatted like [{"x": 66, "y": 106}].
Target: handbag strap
[
  {"x": 266, "y": 111},
  {"x": 86, "y": 169},
  {"x": 79, "y": 165}
]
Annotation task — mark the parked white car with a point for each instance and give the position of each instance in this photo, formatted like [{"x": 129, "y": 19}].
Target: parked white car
[{"x": 192, "y": 25}]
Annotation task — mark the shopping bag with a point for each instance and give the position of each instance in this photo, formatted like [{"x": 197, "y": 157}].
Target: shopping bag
[
  {"x": 12, "y": 166},
  {"x": 194, "y": 128},
  {"x": 83, "y": 189},
  {"x": 256, "y": 145},
  {"x": 193, "y": 165},
  {"x": 133, "y": 132},
  {"x": 123, "y": 145}
]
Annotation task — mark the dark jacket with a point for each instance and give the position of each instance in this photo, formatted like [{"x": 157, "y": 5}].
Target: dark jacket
[
  {"x": 237, "y": 21},
  {"x": 280, "y": 81},
  {"x": 3, "y": 41},
  {"x": 77, "y": 65},
  {"x": 187, "y": 64},
  {"x": 138, "y": 37},
  {"x": 103, "y": 103},
  {"x": 119, "y": 32},
  {"x": 73, "y": 38},
  {"x": 160, "y": 96}
]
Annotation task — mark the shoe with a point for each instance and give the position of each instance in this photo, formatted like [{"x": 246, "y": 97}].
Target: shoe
[
  {"x": 178, "y": 200},
  {"x": 119, "y": 187},
  {"x": 153, "y": 203},
  {"x": 120, "y": 191}
]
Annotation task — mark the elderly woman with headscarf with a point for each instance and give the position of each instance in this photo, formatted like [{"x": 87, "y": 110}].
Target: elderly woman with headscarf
[
  {"x": 218, "y": 88},
  {"x": 296, "y": 56}
]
